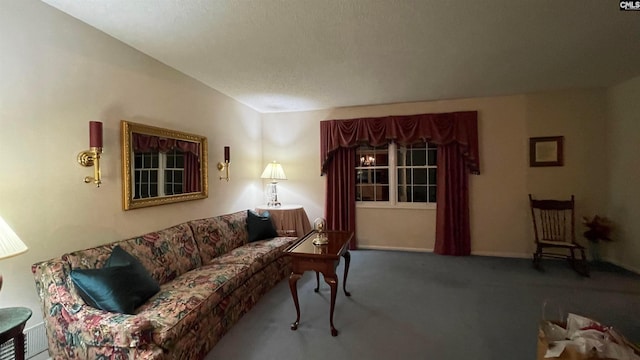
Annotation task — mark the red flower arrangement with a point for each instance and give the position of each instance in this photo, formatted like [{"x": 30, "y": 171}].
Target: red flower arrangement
[{"x": 599, "y": 228}]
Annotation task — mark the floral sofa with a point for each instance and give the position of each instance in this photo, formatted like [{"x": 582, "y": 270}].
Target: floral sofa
[{"x": 209, "y": 276}]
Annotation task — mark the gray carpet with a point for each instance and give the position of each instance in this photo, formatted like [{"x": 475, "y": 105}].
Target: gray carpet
[{"x": 426, "y": 306}]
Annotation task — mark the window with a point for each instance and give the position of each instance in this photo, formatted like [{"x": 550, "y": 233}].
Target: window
[
  {"x": 372, "y": 174},
  {"x": 417, "y": 173},
  {"x": 399, "y": 176},
  {"x": 158, "y": 174}
]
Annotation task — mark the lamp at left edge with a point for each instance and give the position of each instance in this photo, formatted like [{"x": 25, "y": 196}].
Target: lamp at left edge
[{"x": 10, "y": 243}]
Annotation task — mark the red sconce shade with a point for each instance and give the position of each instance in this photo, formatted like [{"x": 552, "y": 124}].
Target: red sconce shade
[{"x": 95, "y": 134}]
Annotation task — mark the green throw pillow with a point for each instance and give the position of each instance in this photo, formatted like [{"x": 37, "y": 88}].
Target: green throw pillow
[
  {"x": 121, "y": 286},
  {"x": 260, "y": 227}
]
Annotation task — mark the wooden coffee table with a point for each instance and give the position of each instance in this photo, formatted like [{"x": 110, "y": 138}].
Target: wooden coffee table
[{"x": 322, "y": 259}]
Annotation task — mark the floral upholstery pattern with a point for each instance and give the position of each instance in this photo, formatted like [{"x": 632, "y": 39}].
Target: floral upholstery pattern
[
  {"x": 201, "y": 339},
  {"x": 258, "y": 254},
  {"x": 211, "y": 236},
  {"x": 209, "y": 275},
  {"x": 206, "y": 286},
  {"x": 167, "y": 253},
  {"x": 238, "y": 234},
  {"x": 72, "y": 327}
]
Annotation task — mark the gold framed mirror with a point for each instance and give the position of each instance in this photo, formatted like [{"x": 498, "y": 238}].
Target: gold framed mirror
[{"x": 161, "y": 166}]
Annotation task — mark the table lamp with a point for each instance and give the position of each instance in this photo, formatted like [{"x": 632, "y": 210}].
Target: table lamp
[
  {"x": 10, "y": 243},
  {"x": 274, "y": 172}
]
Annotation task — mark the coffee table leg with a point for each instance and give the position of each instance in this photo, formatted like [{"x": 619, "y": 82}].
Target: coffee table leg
[
  {"x": 293, "y": 280},
  {"x": 347, "y": 260},
  {"x": 332, "y": 280},
  {"x": 317, "y": 282}
]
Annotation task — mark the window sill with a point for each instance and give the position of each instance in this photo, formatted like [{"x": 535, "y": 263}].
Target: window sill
[{"x": 403, "y": 206}]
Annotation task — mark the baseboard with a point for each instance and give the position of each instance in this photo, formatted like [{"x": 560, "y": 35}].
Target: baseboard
[
  {"x": 477, "y": 253},
  {"x": 392, "y": 248},
  {"x": 622, "y": 265},
  {"x": 630, "y": 268},
  {"x": 486, "y": 253},
  {"x": 502, "y": 254}
]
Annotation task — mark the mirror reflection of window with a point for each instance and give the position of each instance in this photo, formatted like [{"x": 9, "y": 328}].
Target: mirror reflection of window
[
  {"x": 145, "y": 175},
  {"x": 158, "y": 174},
  {"x": 174, "y": 172},
  {"x": 161, "y": 166},
  {"x": 164, "y": 167}
]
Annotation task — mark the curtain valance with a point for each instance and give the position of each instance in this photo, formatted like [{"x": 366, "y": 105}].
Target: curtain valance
[
  {"x": 440, "y": 129},
  {"x": 148, "y": 143}
]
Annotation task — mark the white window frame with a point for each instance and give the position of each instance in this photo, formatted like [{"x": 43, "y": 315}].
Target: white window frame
[{"x": 393, "y": 202}]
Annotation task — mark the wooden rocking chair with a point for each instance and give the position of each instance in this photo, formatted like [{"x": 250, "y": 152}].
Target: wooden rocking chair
[{"x": 554, "y": 229}]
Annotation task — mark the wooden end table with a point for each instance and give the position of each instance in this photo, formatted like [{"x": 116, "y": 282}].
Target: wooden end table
[
  {"x": 322, "y": 259},
  {"x": 12, "y": 321}
]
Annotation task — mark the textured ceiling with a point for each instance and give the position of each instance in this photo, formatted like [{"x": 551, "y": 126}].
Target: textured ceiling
[{"x": 290, "y": 55}]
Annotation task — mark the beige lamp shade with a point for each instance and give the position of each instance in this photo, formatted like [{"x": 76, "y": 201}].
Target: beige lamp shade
[
  {"x": 273, "y": 171},
  {"x": 10, "y": 243}
]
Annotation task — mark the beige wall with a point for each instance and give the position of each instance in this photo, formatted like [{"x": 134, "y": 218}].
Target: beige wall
[
  {"x": 580, "y": 116},
  {"x": 624, "y": 167},
  {"x": 500, "y": 218},
  {"x": 57, "y": 75}
]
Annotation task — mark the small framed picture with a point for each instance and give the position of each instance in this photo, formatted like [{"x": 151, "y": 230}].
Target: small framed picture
[{"x": 546, "y": 151}]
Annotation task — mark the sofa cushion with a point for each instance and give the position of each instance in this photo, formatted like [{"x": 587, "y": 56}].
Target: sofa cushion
[
  {"x": 236, "y": 234},
  {"x": 166, "y": 253},
  {"x": 183, "y": 302},
  {"x": 209, "y": 236},
  {"x": 105, "y": 289},
  {"x": 256, "y": 254},
  {"x": 119, "y": 257},
  {"x": 91, "y": 258},
  {"x": 277, "y": 245},
  {"x": 260, "y": 226},
  {"x": 218, "y": 235}
]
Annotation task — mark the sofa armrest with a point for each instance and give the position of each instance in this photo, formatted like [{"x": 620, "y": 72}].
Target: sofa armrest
[
  {"x": 102, "y": 328},
  {"x": 71, "y": 323}
]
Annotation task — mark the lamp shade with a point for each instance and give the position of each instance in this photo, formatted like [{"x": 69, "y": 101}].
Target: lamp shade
[
  {"x": 10, "y": 243},
  {"x": 273, "y": 171}
]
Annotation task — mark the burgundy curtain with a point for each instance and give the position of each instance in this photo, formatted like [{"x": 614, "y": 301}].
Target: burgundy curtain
[
  {"x": 456, "y": 135},
  {"x": 452, "y": 214},
  {"x": 191, "y": 173},
  {"x": 149, "y": 143},
  {"x": 341, "y": 186}
]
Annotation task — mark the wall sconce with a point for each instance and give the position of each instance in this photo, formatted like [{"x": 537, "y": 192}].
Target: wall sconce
[
  {"x": 225, "y": 165},
  {"x": 91, "y": 157}
]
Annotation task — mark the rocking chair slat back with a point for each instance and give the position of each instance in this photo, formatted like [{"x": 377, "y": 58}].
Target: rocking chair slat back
[{"x": 553, "y": 220}]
